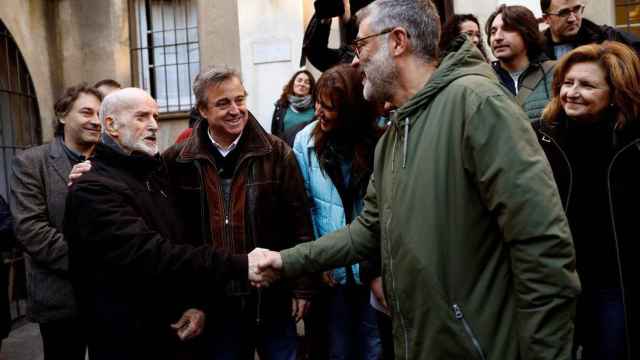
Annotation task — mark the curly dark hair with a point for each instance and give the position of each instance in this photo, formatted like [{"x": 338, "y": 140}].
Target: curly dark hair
[
  {"x": 451, "y": 30},
  {"x": 288, "y": 88},
  {"x": 520, "y": 19},
  {"x": 65, "y": 102}
]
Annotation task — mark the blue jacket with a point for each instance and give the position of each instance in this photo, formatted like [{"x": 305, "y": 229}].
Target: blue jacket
[{"x": 327, "y": 213}]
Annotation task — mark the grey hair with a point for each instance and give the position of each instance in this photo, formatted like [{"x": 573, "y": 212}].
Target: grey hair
[
  {"x": 212, "y": 76},
  {"x": 418, "y": 17}
]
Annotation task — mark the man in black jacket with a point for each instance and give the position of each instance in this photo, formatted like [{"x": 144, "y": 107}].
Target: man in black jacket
[
  {"x": 133, "y": 272},
  {"x": 568, "y": 29}
]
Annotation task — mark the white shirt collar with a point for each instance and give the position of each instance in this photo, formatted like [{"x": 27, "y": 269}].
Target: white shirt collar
[{"x": 224, "y": 151}]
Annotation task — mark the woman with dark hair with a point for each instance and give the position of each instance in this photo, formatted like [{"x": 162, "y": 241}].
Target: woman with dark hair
[
  {"x": 335, "y": 155},
  {"x": 591, "y": 135},
  {"x": 461, "y": 24},
  {"x": 294, "y": 109}
]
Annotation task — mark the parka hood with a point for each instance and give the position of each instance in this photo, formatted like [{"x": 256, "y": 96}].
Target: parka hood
[{"x": 465, "y": 59}]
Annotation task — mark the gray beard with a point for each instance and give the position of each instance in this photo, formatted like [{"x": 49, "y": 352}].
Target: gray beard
[{"x": 380, "y": 74}]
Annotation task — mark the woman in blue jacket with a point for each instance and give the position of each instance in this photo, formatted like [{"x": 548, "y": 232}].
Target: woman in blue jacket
[{"x": 335, "y": 155}]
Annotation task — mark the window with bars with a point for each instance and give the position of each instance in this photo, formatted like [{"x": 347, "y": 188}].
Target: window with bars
[
  {"x": 628, "y": 16},
  {"x": 165, "y": 51}
]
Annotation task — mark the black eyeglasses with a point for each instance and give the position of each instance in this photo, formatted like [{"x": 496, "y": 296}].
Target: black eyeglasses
[
  {"x": 358, "y": 44},
  {"x": 565, "y": 13}
]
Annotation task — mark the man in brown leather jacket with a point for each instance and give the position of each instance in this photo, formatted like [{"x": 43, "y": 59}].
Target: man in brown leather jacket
[{"x": 238, "y": 188}]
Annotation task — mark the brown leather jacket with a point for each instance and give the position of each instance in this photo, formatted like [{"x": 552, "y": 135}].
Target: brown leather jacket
[{"x": 268, "y": 204}]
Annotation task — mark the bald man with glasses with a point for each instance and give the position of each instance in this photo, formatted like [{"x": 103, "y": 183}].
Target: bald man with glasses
[{"x": 568, "y": 28}]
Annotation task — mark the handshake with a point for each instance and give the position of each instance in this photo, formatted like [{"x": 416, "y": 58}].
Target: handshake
[{"x": 264, "y": 267}]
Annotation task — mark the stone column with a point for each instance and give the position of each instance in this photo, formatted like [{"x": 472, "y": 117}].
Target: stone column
[
  {"x": 219, "y": 33},
  {"x": 93, "y": 41}
]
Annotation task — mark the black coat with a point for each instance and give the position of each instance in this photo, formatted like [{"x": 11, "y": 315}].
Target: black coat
[
  {"x": 624, "y": 196},
  {"x": 591, "y": 33},
  {"x": 277, "y": 124},
  {"x": 132, "y": 270},
  {"x": 7, "y": 242},
  {"x": 315, "y": 45},
  {"x": 277, "y": 121}
]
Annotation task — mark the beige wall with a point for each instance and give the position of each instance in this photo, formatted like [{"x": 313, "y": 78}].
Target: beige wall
[
  {"x": 28, "y": 22},
  {"x": 270, "y": 43},
  {"x": 601, "y": 11},
  {"x": 93, "y": 40},
  {"x": 218, "y": 30}
]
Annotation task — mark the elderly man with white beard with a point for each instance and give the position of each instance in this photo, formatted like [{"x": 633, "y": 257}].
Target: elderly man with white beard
[{"x": 138, "y": 283}]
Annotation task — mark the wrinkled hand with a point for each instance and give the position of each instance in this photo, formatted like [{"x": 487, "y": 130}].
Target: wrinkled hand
[
  {"x": 190, "y": 324},
  {"x": 77, "y": 171},
  {"x": 327, "y": 278},
  {"x": 378, "y": 292},
  {"x": 299, "y": 308},
  {"x": 262, "y": 275}
]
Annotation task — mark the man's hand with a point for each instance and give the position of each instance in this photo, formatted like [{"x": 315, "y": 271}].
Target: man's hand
[
  {"x": 77, "y": 171},
  {"x": 378, "y": 292},
  {"x": 260, "y": 273},
  {"x": 299, "y": 308},
  {"x": 190, "y": 324}
]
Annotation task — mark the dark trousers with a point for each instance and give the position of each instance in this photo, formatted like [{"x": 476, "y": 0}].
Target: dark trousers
[
  {"x": 63, "y": 340},
  {"x": 236, "y": 330},
  {"x": 600, "y": 325},
  {"x": 386, "y": 335},
  {"x": 353, "y": 327}
]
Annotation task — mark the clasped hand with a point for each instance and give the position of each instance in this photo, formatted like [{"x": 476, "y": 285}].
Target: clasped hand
[{"x": 264, "y": 267}]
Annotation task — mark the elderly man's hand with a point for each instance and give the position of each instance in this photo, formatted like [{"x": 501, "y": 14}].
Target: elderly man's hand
[
  {"x": 299, "y": 308},
  {"x": 261, "y": 276},
  {"x": 77, "y": 171},
  {"x": 190, "y": 324}
]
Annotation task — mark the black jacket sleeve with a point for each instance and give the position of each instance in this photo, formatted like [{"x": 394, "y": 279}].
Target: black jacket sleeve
[
  {"x": 7, "y": 238},
  {"x": 106, "y": 233},
  {"x": 624, "y": 37},
  {"x": 316, "y": 46}
]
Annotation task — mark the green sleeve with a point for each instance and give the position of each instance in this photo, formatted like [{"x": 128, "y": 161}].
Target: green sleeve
[{"x": 355, "y": 242}]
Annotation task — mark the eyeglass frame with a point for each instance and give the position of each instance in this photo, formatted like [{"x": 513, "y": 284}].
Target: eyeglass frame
[
  {"x": 356, "y": 48},
  {"x": 576, "y": 10}
]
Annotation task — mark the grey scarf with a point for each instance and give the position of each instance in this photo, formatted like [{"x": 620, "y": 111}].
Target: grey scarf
[{"x": 299, "y": 103}]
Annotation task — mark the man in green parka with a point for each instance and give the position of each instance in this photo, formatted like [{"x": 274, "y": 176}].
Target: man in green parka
[{"x": 477, "y": 257}]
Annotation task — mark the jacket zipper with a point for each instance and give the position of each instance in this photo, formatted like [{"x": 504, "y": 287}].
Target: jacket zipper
[
  {"x": 617, "y": 244},
  {"x": 395, "y": 291},
  {"x": 460, "y": 316},
  {"x": 549, "y": 139}
]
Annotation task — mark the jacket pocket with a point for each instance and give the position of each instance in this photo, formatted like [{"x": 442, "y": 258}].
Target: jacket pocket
[{"x": 457, "y": 311}]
